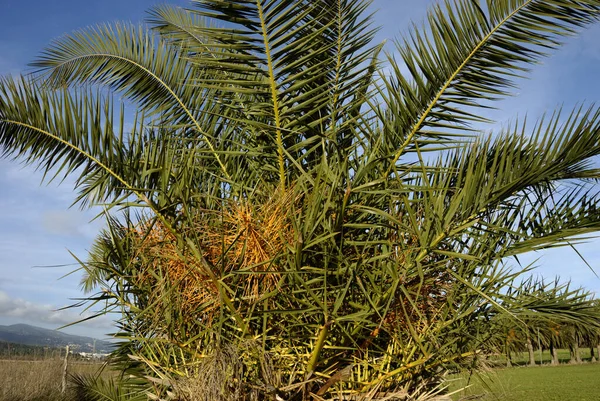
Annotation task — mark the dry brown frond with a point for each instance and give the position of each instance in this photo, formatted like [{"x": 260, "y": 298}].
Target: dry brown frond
[
  {"x": 247, "y": 236},
  {"x": 253, "y": 235},
  {"x": 230, "y": 373},
  {"x": 164, "y": 264}
]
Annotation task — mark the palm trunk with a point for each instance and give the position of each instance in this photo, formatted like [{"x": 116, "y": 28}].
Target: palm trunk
[
  {"x": 571, "y": 354},
  {"x": 577, "y": 353},
  {"x": 554, "y": 353},
  {"x": 531, "y": 353},
  {"x": 540, "y": 348},
  {"x": 507, "y": 353}
]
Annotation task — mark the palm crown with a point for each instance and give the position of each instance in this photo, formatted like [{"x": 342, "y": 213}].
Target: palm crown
[{"x": 281, "y": 203}]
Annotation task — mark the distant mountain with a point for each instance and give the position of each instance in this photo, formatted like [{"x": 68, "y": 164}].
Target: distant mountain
[{"x": 32, "y": 335}]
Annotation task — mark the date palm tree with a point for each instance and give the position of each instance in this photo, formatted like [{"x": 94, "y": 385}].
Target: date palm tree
[
  {"x": 292, "y": 215},
  {"x": 543, "y": 315}
]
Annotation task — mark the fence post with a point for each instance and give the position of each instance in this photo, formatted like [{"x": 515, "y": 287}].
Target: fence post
[{"x": 65, "y": 366}]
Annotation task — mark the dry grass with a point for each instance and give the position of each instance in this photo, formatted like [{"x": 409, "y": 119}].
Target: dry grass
[
  {"x": 37, "y": 380},
  {"x": 30, "y": 380},
  {"x": 221, "y": 377}
]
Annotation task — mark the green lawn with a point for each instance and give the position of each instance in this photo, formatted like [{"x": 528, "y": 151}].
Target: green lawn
[{"x": 540, "y": 383}]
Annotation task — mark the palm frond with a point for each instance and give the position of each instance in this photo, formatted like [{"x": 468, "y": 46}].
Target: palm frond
[
  {"x": 90, "y": 388},
  {"x": 129, "y": 59},
  {"x": 469, "y": 53},
  {"x": 500, "y": 184},
  {"x": 304, "y": 62},
  {"x": 64, "y": 134},
  {"x": 267, "y": 217}
]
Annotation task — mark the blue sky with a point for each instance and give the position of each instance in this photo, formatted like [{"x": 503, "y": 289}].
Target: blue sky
[{"x": 38, "y": 228}]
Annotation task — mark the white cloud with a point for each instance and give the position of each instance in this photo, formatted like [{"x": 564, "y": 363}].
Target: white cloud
[{"x": 44, "y": 314}]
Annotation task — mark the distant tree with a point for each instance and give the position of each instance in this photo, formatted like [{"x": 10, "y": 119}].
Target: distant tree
[{"x": 552, "y": 313}]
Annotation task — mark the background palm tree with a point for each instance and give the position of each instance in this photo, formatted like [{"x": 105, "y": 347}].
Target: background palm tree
[
  {"x": 547, "y": 315},
  {"x": 292, "y": 215}
]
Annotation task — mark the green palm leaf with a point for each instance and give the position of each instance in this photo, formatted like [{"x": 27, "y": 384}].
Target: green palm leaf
[{"x": 468, "y": 54}]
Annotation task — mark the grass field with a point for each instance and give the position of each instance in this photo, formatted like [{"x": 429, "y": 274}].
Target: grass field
[
  {"x": 37, "y": 380},
  {"x": 540, "y": 383},
  {"x": 40, "y": 381}
]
